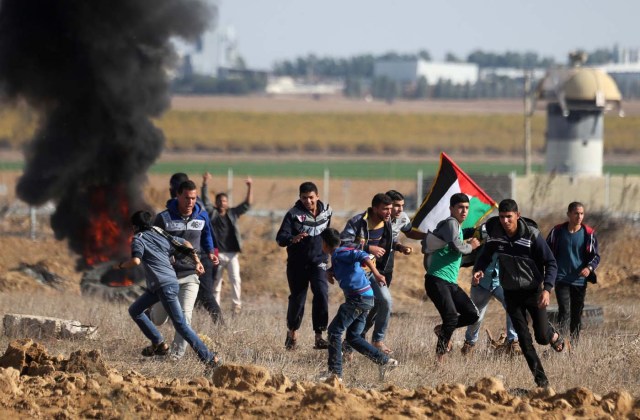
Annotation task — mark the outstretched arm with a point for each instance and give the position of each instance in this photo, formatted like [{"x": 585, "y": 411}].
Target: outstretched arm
[
  {"x": 249, "y": 198},
  {"x": 204, "y": 192}
]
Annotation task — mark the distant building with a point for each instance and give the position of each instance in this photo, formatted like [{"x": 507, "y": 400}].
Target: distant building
[
  {"x": 289, "y": 86},
  {"x": 626, "y": 75},
  {"x": 203, "y": 56},
  {"x": 490, "y": 73},
  {"x": 410, "y": 71},
  {"x": 626, "y": 55}
]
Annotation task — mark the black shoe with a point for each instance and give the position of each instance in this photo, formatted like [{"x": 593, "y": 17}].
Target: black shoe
[
  {"x": 321, "y": 344},
  {"x": 156, "y": 350},
  {"x": 544, "y": 383},
  {"x": 212, "y": 365},
  {"x": 290, "y": 343}
]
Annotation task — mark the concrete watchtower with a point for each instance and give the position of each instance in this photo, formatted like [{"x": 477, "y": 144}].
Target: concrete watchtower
[{"x": 577, "y": 98}]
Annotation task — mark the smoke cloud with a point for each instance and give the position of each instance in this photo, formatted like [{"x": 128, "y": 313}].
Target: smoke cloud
[{"x": 96, "y": 73}]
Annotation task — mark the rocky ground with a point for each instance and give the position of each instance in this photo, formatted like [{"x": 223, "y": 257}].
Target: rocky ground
[{"x": 34, "y": 383}]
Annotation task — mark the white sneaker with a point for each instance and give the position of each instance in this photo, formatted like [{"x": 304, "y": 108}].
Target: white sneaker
[
  {"x": 390, "y": 365},
  {"x": 329, "y": 376}
]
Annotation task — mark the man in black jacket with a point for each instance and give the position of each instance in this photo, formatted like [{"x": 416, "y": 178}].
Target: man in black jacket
[
  {"x": 527, "y": 275},
  {"x": 306, "y": 263}
]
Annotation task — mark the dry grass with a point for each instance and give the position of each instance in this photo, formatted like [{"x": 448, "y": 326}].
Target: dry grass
[
  {"x": 465, "y": 127},
  {"x": 606, "y": 359}
]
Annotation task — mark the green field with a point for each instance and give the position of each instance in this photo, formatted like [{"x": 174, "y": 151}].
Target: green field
[{"x": 363, "y": 169}]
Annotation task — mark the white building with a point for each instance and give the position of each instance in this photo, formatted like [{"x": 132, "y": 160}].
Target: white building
[
  {"x": 289, "y": 86},
  {"x": 410, "y": 71},
  {"x": 510, "y": 73}
]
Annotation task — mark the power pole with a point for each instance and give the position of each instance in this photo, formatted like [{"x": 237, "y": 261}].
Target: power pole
[{"x": 527, "y": 122}]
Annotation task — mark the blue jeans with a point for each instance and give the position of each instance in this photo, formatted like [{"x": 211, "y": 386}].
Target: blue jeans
[
  {"x": 168, "y": 296},
  {"x": 383, "y": 305},
  {"x": 481, "y": 297},
  {"x": 350, "y": 318}
]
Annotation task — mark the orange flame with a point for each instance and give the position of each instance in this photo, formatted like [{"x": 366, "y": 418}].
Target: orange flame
[{"x": 106, "y": 236}]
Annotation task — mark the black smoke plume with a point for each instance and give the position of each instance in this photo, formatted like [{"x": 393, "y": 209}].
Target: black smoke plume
[{"x": 96, "y": 71}]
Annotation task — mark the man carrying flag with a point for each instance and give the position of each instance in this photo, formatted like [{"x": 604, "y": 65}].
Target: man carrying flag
[
  {"x": 441, "y": 281},
  {"x": 454, "y": 206}
]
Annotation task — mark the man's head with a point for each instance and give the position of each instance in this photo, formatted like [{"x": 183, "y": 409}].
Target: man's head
[
  {"x": 175, "y": 181},
  {"x": 330, "y": 240},
  {"x": 381, "y": 205},
  {"x": 187, "y": 194},
  {"x": 459, "y": 206},
  {"x": 509, "y": 215},
  {"x": 575, "y": 213},
  {"x": 141, "y": 220},
  {"x": 222, "y": 201},
  {"x": 309, "y": 196},
  {"x": 397, "y": 203}
]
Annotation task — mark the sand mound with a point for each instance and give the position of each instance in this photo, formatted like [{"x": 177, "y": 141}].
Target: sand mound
[
  {"x": 244, "y": 378},
  {"x": 33, "y": 383}
]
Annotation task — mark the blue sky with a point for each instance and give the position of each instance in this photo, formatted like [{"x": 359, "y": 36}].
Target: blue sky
[{"x": 284, "y": 29}]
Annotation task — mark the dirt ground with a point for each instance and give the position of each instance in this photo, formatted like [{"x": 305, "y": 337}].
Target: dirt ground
[{"x": 36, "y": 384}]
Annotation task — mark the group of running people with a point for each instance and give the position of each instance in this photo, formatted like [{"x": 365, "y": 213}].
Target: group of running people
[{"x": 515, "y": 264}]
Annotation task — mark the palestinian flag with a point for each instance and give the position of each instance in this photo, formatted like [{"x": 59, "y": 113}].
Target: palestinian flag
[{"x": 451, "y": 180}]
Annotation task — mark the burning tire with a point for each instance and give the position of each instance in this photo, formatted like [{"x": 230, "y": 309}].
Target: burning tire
[{"x": 113, "y": 285}]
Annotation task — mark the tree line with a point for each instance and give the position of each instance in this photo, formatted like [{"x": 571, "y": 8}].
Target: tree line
[
  {"x": 362, "y": 65},
  {"x": 357, "y": 72}
]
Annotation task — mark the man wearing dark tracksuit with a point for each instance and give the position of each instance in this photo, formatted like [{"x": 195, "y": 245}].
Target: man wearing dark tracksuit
[
  {"x": 306, "y": 263},
  {"x": 527, "y": 275}
]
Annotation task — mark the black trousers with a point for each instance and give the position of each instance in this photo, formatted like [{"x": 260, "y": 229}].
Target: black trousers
[
  {"x": 520, "y": 302},
  {"x": 454, "y": 305},
  {"x": 570, "y": 305},
  {"x": 205, "y": 292},
  {"x": 300, "y": 277}
]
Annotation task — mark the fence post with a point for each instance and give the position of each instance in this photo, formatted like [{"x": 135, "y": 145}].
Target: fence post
[
  {"x": 607, "y": 190},
  {"x": 33, "y": 222},
  {"x": 419, "y": 180},
  {"x": 325, "y": 194},
  {"x": 513, "y": 178},
  {"x": 230, "y": 186}
]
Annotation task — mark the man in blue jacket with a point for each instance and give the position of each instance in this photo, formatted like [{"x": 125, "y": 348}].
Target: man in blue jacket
[
  {"x": 527, "y": 275},
  {"x": 306, "y": 263},
  {"x": 185, "y": 218}
]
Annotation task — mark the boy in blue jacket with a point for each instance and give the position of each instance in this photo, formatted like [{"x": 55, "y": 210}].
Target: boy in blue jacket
[{"x": 346, "y": 267}]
